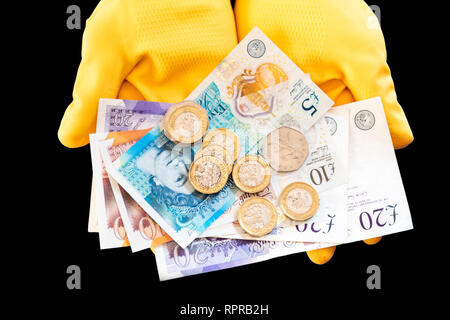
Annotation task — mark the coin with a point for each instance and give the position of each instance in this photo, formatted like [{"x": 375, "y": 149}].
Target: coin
[
  {"x": 225, "y": 138},
  {"x": 299, "y": 201},
  {"x": 208, "y": 174},
  {"x": 185, "y": 122},
  {"x": 285, "y": 149},
  {"x": 257, "y": 216},
  {"x": 251, "y": 174},
  {"x": 214, "y": 150}
]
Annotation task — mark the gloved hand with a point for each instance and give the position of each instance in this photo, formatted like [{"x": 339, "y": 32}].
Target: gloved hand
[
  {"x": 341, "y": 45},
  {"x": 147, "y": 50}
]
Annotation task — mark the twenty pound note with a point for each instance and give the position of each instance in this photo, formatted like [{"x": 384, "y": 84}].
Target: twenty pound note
[
  {"x": 212, "y": 254},
  {"x": 128, "y": 115},
  {"x": 377, "y": 203}
]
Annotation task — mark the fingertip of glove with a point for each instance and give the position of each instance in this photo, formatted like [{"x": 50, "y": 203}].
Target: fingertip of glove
[
  {"x": 321, "y": 256},
  {"x": 69, "y": 141},
  {"x": 403, "y": 141},
  {"x": 372, "y": 241}
]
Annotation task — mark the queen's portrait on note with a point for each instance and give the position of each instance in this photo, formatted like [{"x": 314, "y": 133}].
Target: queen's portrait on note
[{"x": 168, "y": 171}]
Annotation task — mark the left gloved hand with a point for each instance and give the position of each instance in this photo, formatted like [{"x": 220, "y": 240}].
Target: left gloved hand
[{"x": 146, "y": 50}]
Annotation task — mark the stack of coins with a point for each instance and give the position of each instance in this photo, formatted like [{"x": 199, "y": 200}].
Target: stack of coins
[
  {"x": 208, "y": 174},
  {"x": 215, "y": 150},
  {"x": 225, "y": 138},
  {"x": 213, "y": 163}
]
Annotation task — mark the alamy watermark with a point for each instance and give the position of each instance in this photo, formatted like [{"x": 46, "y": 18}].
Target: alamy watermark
[
  {"x": 74, "y": 279},
  {"x": 374, "y": 280},
  {"x": 74, "y": 19}
]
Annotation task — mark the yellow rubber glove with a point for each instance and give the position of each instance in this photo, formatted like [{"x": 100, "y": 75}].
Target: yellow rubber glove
[
  {"x": 339, "y": 43},
  {"x": 157, "y": 50}
]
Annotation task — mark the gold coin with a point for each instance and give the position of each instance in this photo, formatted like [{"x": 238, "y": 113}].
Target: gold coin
[
  {"x": 285, "y": 149},
  {"x": 257, "y": 216},
  {"x": 185, "y": 122},
  {"x": 214, "y": 150},
  {"x": 225, "y": 138},
  {"x": 299, "y": 201},
  {"x": 208, "y": 174},
  {"x": 251, "y": 173}
]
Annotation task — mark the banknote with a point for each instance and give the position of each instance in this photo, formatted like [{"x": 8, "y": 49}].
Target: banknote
[
  {"x": 128, "y": 115},
  {"x": 154, "y": 171},
  {"x": 123, "y": 115},
  {"x": 93, "y": 221},
  {"x": 112, "y": 233},
  {"x": 141, "y": 230},
  {"x": 377, "y": 203},
  {"x": 211, "y": 254},
  {"x": 260, "y": 83},
  {"x": 329, "y": 224}
]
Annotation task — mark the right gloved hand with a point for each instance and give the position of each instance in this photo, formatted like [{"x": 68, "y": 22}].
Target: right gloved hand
[
  {"x": 157, "y": 50},
  {"x": 341, "y": 45}
]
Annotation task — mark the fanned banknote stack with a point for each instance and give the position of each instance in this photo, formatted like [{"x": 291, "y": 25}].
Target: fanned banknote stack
[{"x": 142, "y": 196}]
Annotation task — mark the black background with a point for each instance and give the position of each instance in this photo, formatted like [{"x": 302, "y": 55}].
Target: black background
[{"x": 116, "y": 279}]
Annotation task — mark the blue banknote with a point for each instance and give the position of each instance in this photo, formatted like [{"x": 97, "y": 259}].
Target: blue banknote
[{"x": 154, "y": 171}]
